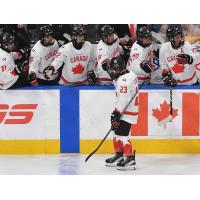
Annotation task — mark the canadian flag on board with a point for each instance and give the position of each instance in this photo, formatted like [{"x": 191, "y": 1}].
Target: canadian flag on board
[{"x": 155, "y": 106}]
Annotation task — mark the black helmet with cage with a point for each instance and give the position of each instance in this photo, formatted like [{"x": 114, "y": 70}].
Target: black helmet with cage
[
  {"x": 8, "y": 42},
  {"x": 78, "y": 35},
  {"x": 172, "y": 31},
  {"x": 105, "y": 31},
  {"x": 116, "y": 67},
  {"x": 44, "y": 32},
  {"x": 143, "y": 33}
]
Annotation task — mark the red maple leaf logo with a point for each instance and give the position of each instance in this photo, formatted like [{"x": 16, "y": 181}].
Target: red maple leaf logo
[
  {"x": 164, "y": 112},
  {"x": 178, "y": 68},
  {"x": 78, "y": 69}
]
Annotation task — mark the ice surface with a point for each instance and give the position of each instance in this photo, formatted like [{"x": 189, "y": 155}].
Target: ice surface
[{"x": 147, "y": 164}]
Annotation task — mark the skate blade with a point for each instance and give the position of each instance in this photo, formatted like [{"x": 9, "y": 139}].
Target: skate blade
[
  {"x": 111, "y": 164},
  {"x": 126, "y": 168}
]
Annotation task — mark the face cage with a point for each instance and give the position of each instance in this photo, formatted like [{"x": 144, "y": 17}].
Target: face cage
[
  {"x": 114, "y": 74},
  {"x": 140, "y": 41},
  {"x": 180, "y": 43},
  {"x": 5, "y": 46},
  {"x": 52, "y": 42},
  {"x": 78, "y": 45}
]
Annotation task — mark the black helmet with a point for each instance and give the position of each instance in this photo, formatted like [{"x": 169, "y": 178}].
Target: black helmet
[
  {"x": 45, "y": 30},
  {"x": 78, "y": 30},
  {"x": 142, "y": 33},
  {"x": 116, "y": 66},
  {"x": 172, "y": 31},
  {"x": 105, "y": 31},
  {"x": 7, "y": 38}
]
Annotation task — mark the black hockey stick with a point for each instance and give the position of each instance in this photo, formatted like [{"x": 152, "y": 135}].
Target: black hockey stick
[
  {"x": 98, "y": 145},
  {"x": 169, "y": 118},
  {"x": 110, "y": 128},
  {"x": 171, "y": 106}
]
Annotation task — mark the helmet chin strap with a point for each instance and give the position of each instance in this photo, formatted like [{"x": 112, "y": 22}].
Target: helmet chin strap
[
  {"x": 179, "y": 45},
  {"x": 117, "y": 75},
  {"x": 46, "y": 45},
  {"x": 78, "y": 45},
  {"x": 140, "y": 42},
  {"x": 106, "y": 41}
]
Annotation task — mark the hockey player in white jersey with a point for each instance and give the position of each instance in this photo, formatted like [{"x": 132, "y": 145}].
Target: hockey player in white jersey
[
  {"x": 178, "y": 59},
  {"x": 11, "y": 75},
  {"x": 75, "y": 59},
  {"x": 125, "y": 113},
  {"x": 143, "y": 59},
  {"x": 42, "y": 54},
  {"x": 107, "y": 48}
]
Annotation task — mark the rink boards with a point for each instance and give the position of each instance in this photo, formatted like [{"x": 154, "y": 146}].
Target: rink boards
[{"x": 74, "y": 119}]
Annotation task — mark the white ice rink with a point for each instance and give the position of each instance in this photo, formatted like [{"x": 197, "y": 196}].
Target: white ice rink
[{"x": 74, "y": 164}]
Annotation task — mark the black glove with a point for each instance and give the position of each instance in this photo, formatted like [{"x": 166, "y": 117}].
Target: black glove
[
  {"x": 91, "y": 77},
  {"x": 184, "y": 59},
  {"x": 25, "y": 53},
  {"x": 115, "y": 120},
  {"x": 48, "y": 71},
  {"x": 23, "y": 67},
  {"x": 33, "y": 79},
  {"x": 147, "y": 66},
  {"x": 156, "y": 53},
  {"x": 105, "y": 64},
  {"x": 168, "y": 79}
]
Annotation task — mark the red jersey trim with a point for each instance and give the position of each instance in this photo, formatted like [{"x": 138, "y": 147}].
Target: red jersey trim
[
  {"x": 186, "y": 80},
  {"x": 104, "y": 79},
  {"x": 131, "y": 113},
  {"x": 77, "y": 82},
  {"x": 143, "y": 78}
]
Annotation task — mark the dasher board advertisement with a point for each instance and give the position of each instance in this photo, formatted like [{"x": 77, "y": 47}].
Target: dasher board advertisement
[{"x": 29, "y": 114}]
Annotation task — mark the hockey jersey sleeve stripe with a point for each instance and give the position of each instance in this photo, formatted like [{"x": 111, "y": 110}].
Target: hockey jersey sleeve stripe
[
  {"x": 127, "y": 112},
  {"x": 77, "y": 82},
  {"x": 131, "y": 113},
  {"x": 196, "y": 65},
  {"x": 143, "y": 78},
  {"x": 104, "y": 79},
  {"x": 187, "y": 80}
]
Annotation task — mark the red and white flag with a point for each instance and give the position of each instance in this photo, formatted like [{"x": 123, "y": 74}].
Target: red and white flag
[{"x": 155, "y": 106}]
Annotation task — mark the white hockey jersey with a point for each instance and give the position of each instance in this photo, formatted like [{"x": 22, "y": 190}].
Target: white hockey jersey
[
  {"x": 137, "y": 56},
  {"x": 197, "y": 65},
  {"x": 104, "y": 52},
  {"x": 127, "y": 97},
  {"x": 76, "y": 63},
  {"x": 183, "y": 74},
  {"x": 41, "y": 57},
  {"x": 7, "y": 75}
]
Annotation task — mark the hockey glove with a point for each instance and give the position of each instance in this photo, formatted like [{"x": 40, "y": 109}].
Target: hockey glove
[
  {"x": 168, "y": 79},
  {"x": 48, "y": 71},
  {"x": 33, "y": 79},
  {"x": 23, "y": 67},
  {"x": 156, "y": 53},
  {"x": 105, "y": 64},
  {"x": 91, "y": 77},
  {"x": 115, "y": 120},
  {"x": 184, "y": 59},
  {"x": 16, "y": 71},
  {"x": 147, "y": 66}
]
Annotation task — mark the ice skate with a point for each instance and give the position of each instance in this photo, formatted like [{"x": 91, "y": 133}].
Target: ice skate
[
  {"x": 128, "y": 163},
  {"x": 112, "y": 162}
]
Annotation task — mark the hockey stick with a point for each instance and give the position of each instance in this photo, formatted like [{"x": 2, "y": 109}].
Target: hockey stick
[
  {"x": 110, "y": 128},
  {"x": 169, "y": 118},
  {"x": 98, "y": 146}
]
